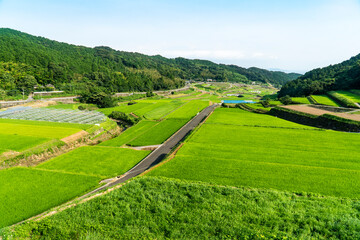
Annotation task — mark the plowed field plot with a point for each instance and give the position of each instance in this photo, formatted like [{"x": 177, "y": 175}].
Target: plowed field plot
[
  {"x": 318, "y": 112},
  {"x": 310, "y": 160}
]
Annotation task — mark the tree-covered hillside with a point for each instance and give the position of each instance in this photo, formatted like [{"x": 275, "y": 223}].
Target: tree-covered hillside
[
  {"x": 27, "y": 61},
  {"x": 342, "y": 76}
]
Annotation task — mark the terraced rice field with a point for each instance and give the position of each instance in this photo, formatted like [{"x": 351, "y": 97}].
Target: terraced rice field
[
  {"x": 267, "y": 155},
  {"x": 130, "y": 134},
  {"x": 158, "y": 133},
  {"x": 325, "y": 100},
  {"x": 19, "y": 135},
  {"x": 30, "y": 191},
  {"x": 234, "y": 116},
  {"x": 148, "y": 133},
  {"x": 188, "y": 110},
  {"x": 353, "y": 97},
  {"x": 148, "y": 109},
  {"x": 302, "y": 100},
  {"x": 98, "y": 161},
  {"x": 26, "y": 192}
]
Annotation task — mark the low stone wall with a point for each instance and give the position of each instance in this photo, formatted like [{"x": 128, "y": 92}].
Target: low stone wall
[{"x": 13, "y": 103}]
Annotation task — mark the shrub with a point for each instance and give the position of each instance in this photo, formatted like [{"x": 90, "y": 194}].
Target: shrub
[
  {"x": 127, "y": 119},
  {"x": 150, "y": 94},
  {"x": 97, "y": 96},
  {"x": 286, "y": 100}
]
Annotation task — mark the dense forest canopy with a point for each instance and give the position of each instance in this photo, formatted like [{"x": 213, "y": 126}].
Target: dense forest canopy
[
  {"x": 27, "y": 61},
  {"x": 342, "y": 76}
]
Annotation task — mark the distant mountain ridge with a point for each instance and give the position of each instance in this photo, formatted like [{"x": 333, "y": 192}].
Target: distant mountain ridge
[
  {"x": 342, "y": 76},
  {"x": 27, "y": 60}
]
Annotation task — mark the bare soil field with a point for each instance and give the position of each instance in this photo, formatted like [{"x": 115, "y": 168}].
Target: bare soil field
[
  {"x": 75, "y": 137},
  {"x": 318, "y": 112}
]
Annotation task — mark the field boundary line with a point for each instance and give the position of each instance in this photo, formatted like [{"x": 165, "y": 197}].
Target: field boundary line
[
  {"x": 173, "y": 110},
  {"x": 285, "y": 164}
]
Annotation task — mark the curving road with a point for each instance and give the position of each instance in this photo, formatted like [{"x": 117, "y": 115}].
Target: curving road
[{"x": 159, "y": 154}]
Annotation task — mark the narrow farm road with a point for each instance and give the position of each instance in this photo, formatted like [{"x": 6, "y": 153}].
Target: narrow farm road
[{"x": 159, "y": 154}]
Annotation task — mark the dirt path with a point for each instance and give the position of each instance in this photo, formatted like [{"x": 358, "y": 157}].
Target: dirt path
[
  {"x": 318, "y": 112},
  {"x": 74, "y": 137}
]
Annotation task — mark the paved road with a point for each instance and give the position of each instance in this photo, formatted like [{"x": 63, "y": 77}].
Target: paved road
[{"x": 159, "y": 154}]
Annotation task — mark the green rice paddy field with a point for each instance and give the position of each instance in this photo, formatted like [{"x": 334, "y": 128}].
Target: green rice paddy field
[
  {"x": 160, "y": 208},
  {"x": 325, "y": 100},
  {"x": 26, "y": 192},
  {"x": 148, "y": 132},
  {"x": 19, "y": 135},
  {"x": 96, "y": 161},
  {"x": 30, "y": 191},
  {"x": 352, "y": 96},
  {"x": 239, "y": 148},
  {"x": 302, "y": 100}
]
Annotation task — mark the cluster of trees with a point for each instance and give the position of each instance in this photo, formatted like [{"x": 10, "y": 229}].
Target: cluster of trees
[
  {"x": 345, "y": 75},
  {"x": 26, "y": 61},
  {"x": 124, "y": 119}
]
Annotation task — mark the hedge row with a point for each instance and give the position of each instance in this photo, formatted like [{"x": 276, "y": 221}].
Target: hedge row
[
  {"x": 312, "y": 100},
  {"x": 245, "y": 107},
  {"x": 342, "y": 100},
  {"x": 326, "y": 121}
]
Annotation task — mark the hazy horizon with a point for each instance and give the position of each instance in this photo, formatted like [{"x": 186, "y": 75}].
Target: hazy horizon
[{"x": 294, "y": 36}]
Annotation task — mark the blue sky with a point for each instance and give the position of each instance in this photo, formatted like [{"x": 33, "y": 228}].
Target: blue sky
[{"x": 289, "y": 35}]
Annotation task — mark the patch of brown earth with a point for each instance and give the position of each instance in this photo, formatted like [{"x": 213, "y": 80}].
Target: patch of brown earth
[
  {"x": 307, "y": 109},
  {"x": 74, "y": 137},
  {"x": 39, "y": 104},
  {"x": 10, "y": 154},
  {"x": 318, "y": 112}
]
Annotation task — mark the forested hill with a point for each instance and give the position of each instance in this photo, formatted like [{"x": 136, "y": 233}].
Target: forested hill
[
  {"x": 342, "y": 76},
  {"x": 26, "y": 60}
]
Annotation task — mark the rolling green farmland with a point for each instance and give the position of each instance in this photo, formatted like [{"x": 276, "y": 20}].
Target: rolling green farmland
[
  {"x": 234, "y": 116},
  {"x": 149, "y": 109},
  {"x": 153, "y": 208},
  {"x": 19, "y": 135},
  {"x": 353, "y": 97},
  {"x": 189, "y": 110},
  {"x": 19, "y": 142},
  {"x": 130, "y": 134},
  {"x": 159, "y": 133},
  {"x": 96, "y": 161},
  {"x": 302, "y": 100},
  {"x": 38, "y": 131},
  {"x": 325, "y": 100},
  {"x": 268, "y": 157},
  {"x": 25, "y": 192},
  {"x": 159, "y": 109}
]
